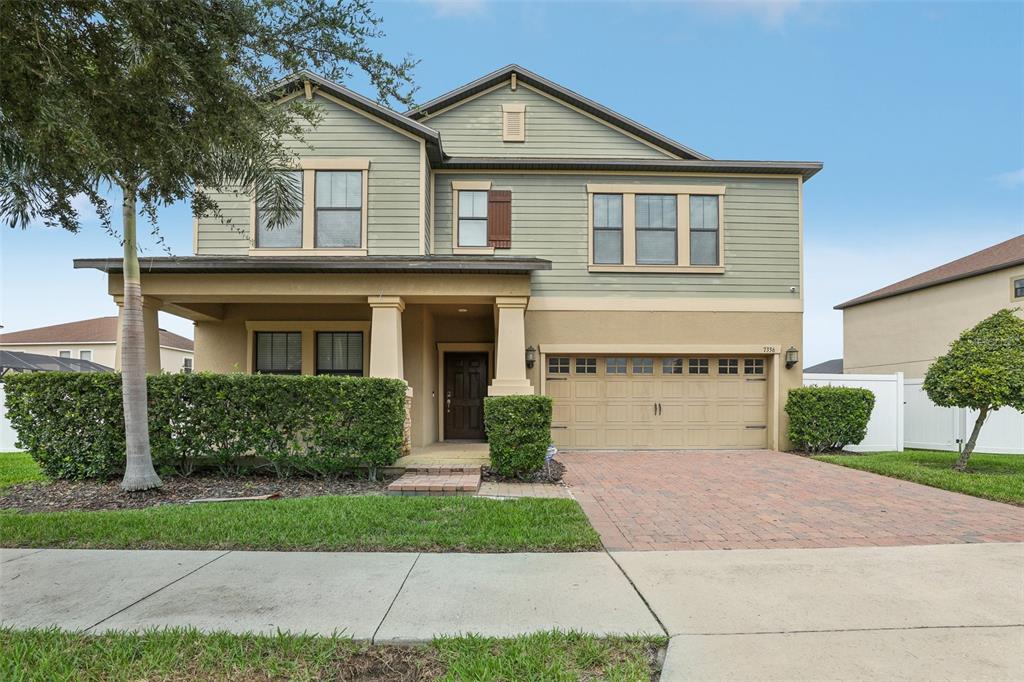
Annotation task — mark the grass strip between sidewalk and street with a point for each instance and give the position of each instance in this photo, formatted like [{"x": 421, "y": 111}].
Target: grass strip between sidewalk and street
[
  {"x": 328, "y": 523},
  {"x": 993, "y": 477},
  {"x": 184, "y": 655}
]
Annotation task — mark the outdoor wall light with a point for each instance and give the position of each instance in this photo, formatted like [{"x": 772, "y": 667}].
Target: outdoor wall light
[
  {"x": 792, "y": 357},
  {"x": 531, "y": 357}
]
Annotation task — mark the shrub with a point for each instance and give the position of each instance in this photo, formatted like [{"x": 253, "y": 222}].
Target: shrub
[
  {"x": 72, "y": 424},
  {"x": 825, "y": 418},
  {"x": 519, "y": 432}
]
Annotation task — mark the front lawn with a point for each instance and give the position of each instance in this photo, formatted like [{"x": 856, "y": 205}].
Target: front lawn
[
  {"x": 994, "y": 477},
  {"x": 187, "y": 656},
  {"x": 18, "y": 467},
  {"x": 327, "y": 523}
]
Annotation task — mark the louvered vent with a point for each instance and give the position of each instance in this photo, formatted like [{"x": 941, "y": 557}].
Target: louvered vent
[{"x": 513, "y": 122}]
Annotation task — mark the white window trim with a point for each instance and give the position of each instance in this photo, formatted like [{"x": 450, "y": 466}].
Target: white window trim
[
  {"x": 85, "y": 350},
  {"x": 682, "y": 193},
  {"x": 309, "y": 168},
  {"x": 69, "y": 351},
  {"x": 1013, "y": 287},
  {"x": 469, "y": 186}
]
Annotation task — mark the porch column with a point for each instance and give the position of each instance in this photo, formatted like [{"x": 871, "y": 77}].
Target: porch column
[
  {"x": 150, "y": 331},
  {"x": 510, "y": 348},
  {"x": 386, "y": 337}
]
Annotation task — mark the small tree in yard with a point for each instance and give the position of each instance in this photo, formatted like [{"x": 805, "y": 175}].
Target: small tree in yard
[
  {"x": 983, "y": 371},
  {"x": 165, "y": 101}
]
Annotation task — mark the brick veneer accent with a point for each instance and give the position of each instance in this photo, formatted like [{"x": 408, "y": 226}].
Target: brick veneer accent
[{"x": 437, "y": 481}]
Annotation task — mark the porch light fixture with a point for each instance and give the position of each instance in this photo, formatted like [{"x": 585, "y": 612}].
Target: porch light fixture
[
  {"x": 531, "y": 357},
  {"x": 792, "y": 357}
]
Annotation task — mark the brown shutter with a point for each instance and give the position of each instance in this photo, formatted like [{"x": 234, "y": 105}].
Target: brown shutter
[{"x": 499, "y": 218}]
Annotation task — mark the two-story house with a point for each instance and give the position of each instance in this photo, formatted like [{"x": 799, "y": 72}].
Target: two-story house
[{"x": 512, "y": 236}]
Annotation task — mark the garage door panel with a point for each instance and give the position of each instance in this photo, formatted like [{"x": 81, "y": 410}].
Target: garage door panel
[
  {"x": 672, "y": 389},
  {"x": 642, "y": 389},
  {"x": 617, "y": 389},
  {"x": 728, "y": 390},
  {"x": 559, "y": 389},
  {"x": 617, "y": 413},
  {"x": 588, "y": 390},
  {"x": 586, "y": 414},
  {"x": 752, "y": 438},
  {"x": 617, "y": 438}
]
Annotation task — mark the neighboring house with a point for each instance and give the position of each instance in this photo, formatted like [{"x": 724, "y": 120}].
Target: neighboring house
[
  {"x": 903, "y": 327},
  {"x": 96, "y": 340},
  {"x": 828, "y": 367},
  {"x": 512, "y": 237}
]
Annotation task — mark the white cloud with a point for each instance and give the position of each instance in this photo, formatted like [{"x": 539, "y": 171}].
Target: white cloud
[
  {"x": 1011, "y": 179},
  {"x": 456, "y": 8}
]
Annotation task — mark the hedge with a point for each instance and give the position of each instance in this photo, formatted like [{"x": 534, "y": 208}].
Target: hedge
[
  {"x": 73, "y": 426},
  {"x": 823, "y": 418},
  {"x": 519, "y": 432}
]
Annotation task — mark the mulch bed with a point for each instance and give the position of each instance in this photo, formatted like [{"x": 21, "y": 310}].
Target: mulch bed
[
  {"x": 551, "y": 472},
  {"x": 97, "y": 495}
]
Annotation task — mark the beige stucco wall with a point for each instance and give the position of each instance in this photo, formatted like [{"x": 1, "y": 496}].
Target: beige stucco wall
[
  {"x": 171, "y": 359},
  {"x": 906, "y": 333}
]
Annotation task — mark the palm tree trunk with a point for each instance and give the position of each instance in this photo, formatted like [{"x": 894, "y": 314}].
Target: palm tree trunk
[
  {"x": 138, "y": 472},
  {"x": 961, "y": 462}
]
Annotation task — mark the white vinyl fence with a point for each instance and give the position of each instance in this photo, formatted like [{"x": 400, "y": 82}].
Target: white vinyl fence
[
  {"x": 905, "y": 417},
  {"x": 885, "y": 428},
  {"x": 7, "y": 435}
]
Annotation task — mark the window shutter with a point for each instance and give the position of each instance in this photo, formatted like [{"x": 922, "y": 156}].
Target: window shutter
[{"x": 499, "y": 218}]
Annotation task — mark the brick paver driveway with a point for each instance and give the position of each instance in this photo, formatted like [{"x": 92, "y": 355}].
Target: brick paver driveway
[{"x": 763, "y": 499}]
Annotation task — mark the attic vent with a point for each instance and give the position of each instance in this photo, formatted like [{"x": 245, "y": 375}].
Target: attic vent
[{"x": 513, "y": 127}]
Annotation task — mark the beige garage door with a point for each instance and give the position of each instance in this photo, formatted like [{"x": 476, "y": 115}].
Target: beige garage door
[{"x": 658, "y": 402}]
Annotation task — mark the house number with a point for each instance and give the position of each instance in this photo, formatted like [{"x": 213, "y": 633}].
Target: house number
[{"x": 769, "y": 349}]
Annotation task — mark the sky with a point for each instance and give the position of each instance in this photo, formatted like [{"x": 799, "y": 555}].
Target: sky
[{"x": 916, "y": 110}]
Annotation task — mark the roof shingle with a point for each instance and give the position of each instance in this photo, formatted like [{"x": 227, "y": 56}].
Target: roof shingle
[{"x": 95, "y": 330}]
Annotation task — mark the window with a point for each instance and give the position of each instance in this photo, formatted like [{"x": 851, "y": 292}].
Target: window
[
  {"x": 339, "y": 210},
  {"x": 278, "y": 352},
  {"x": 656, "y": 229},
  {"x": 339, "y": 353},
  {"x": 615, "y": 366},
  {"x": 671, "y": 365},
  {"x": 698, "y": 365},
  {"x": 643, "y": 365},
  {"x": 64, "y": 354},
  {"x": 85, "y": 355},
  {"x": 753, "y": 366},
  {"x": 703, "y": 230},
  {"x": 1018, "y": 288},
  {"x": 558, "y": 365},
  {"x": 608, "y": 229},
  {"x": 285, "y": 236},
  {"x": 586, "y": 365},
  {"x": 728, "y": 366},
  {"x": 472, "y": 218},
  {"x": 186, "y": 365}
]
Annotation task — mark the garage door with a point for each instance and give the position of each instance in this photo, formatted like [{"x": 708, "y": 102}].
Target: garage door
[{"x": 658, "y": 402}]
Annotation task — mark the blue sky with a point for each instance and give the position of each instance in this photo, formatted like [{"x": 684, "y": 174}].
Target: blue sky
[{"x": 916, "y": 110}]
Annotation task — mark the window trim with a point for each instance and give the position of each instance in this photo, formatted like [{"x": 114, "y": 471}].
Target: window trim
[
  {"x": 344, "y": 373},
  {"x": 308, "y": 329},
  {"x": 637, "y": 230},
  {"x": 682, "y": 193},
  {"x": 85, "y": 350},
  {"x": 361, "y": 209},
  {"x": 594, "y": 229},
  {"x": 309, "y": 167},
  {"x": 1013, "y": 287},
  {"x": 254, "y": 342},
  {"x": 69, "y": 351},
  {"x": 467, "y": 186}
]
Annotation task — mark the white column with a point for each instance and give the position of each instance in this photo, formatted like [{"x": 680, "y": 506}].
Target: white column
[
  {"x": 386, "y": 337},
  {"x": 510, "y": 348}
]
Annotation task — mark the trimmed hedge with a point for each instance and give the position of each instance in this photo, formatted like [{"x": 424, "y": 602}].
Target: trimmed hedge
[
  {"x": 518, "y": 431},
  {"x": 823, "y": 418},
  {"x": 73, "y": 424}
]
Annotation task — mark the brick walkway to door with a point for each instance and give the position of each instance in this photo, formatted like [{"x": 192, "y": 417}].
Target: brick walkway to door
[{"x": 757, "y": 499}]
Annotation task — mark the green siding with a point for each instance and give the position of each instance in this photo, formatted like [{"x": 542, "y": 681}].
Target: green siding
[
  {"x": 549, "y": 220},
  {"x": 427, "y": 202},
  {"x": 552, "y": 130},
  {"x": 393, "y": 189}
]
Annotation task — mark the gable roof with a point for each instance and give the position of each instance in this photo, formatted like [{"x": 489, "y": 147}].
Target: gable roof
[
  {"x": 834, "y": 366},
  {"x": 1003, "y": 255},
  {"x": 94, "y": 330},
  {"x": 558, "y": 92}
]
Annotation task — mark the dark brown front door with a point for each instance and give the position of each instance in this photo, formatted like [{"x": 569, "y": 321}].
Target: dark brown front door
[{"x": 465, "y": 384}]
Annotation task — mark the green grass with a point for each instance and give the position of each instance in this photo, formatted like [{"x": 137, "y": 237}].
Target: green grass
[
  {"x": 994, "y": 477},
  {"x": 353, "y": 523},
  {"x": 186, "y": 656},
  {"x": 18, "y": 467}
]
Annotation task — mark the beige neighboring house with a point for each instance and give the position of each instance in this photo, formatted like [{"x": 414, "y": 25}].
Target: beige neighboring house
[
  {"x": 96, "y": 340},
  {"x": 903, "y": 327},
  {"x": 511, "y": 237}
]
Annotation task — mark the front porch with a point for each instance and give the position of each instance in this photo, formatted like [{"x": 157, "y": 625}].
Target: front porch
[{"x": 446, "y": 454}]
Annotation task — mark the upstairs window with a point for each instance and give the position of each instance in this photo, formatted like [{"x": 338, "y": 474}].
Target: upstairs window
[
  {"x": 656, "y": 229},
  {"x": 64, "y": 354},
  {"x": 608, "y": 229},
  {"x": 472, "y": 218},
  {"x": 339, "y": 353},
  {"x": 287, "y": 235},
  {"x": 85, "y": 355},
  {"x": 1018, "y": 288},
  {"x": 703, "y": 230},
  {"x": 339, "y": 210},
  {"x": 278, "y": 352}
]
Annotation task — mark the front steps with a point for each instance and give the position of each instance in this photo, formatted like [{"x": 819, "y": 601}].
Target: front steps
[{"x": 437, "y": 480}]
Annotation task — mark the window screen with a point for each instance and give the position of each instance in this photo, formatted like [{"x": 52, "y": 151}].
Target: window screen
[
  {"x": 278, "y": 352},
  {"x": 472, "y": 218},
  {"x": 339, "y": 209},
  {"x": 703, "y": 230},
  {"x": 339, "y": 353},
  {"x": 287, "y": 235},
  {"x": 655, "y": 229},
  {"x": 608, "y": 229}
]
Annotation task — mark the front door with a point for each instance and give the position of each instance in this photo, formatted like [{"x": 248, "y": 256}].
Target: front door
[{"x": 465, "y": 384}]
